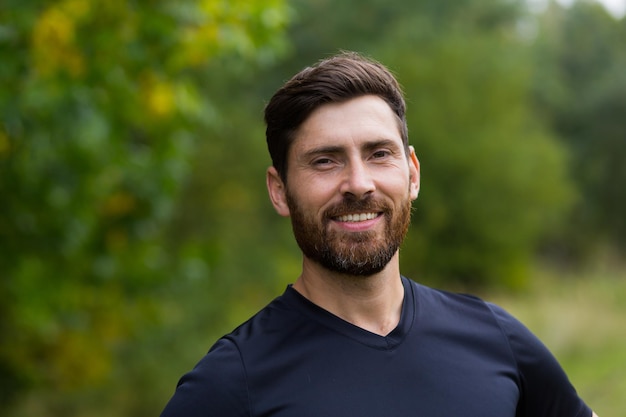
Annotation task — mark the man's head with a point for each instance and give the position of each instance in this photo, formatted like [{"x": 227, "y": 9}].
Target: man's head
[
  {"x": 337, "y": 79},
  {"x": 347, "y": 175}
]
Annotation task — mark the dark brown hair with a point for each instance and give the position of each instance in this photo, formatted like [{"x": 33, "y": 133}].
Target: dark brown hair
[{"x": 337, "y": 79}]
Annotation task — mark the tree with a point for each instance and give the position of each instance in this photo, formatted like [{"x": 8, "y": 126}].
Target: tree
[
  {"x": 580, "y": 89},
  {"x": 100, "y": 111}
]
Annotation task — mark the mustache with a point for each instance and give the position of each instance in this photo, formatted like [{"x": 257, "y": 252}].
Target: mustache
[{"x": 350, "y": 204}]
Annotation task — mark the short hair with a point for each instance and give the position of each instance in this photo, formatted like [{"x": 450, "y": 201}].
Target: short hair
[{"x": 339, "y": 78}]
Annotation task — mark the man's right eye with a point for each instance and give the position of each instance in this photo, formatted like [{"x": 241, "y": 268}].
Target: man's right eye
[{"x": 322, "y": 161}]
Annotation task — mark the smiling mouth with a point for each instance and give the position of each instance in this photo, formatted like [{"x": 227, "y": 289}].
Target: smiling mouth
[{"x": 357, "y": 217}]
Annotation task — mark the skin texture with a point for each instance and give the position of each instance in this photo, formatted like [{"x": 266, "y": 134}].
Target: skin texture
[{"x": 348, "y": 158}]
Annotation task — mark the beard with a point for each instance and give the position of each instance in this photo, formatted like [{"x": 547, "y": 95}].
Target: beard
[{"x": 351, "y": 253}]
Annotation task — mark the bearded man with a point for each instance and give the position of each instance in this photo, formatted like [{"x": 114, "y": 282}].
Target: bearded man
[{"x": 352, "y": 336}]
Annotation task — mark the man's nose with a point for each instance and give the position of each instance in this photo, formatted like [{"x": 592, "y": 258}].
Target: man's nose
[{"x": 357, "y": 180}]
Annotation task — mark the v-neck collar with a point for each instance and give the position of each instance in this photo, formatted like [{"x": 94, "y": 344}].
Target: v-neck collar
[{"x": 329, "y": 320}]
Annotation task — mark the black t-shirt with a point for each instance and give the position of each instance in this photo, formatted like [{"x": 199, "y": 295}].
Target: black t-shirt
[{"x": 450, "y": 355}]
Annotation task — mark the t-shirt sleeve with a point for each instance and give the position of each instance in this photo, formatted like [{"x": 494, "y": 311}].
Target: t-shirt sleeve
[
  {"x": 216, "y": 387},
  {"x": 545, "y": 390}
]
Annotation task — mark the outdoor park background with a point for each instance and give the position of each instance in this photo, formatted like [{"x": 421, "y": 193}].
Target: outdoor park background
[{"x": 134, "y": 223}]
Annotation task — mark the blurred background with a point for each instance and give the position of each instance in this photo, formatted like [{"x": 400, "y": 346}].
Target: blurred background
[{"x": 134, "y": 224}]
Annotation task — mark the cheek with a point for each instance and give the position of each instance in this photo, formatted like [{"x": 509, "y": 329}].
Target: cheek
[
  {"x": 308, "y": 198},
  {"x": 398, "y": 186},
  {"x": 315, "y": 194}
]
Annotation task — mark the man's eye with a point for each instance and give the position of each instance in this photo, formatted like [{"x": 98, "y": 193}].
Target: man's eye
[
  {"x": 322, "y": 161},
  {"x": 380, "y": 154}
]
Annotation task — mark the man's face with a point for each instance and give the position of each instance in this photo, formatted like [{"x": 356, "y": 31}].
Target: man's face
[{"x": 350, "y": 186}]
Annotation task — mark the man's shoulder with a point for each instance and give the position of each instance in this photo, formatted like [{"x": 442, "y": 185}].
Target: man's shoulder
[
  {"x": 278, "y": 317},
  {"x": 444, "y": 298},
  {"x": 439, "y": 306}
]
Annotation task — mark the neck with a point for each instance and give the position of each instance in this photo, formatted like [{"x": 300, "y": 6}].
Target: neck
[{"x": 373, "y": 303}]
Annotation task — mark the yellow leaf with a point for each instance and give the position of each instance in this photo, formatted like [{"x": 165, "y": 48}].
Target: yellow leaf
[
  {"x": 53, "y": 42},
  {"x": 159, "y": 97}
]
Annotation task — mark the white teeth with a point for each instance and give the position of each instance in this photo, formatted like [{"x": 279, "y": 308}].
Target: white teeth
[{"x": 357, "y": 217}]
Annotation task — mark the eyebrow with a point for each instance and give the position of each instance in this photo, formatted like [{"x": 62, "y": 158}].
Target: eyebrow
[
  {"x": 335, "y": 149},
  {"x": 322, "y": 150}
]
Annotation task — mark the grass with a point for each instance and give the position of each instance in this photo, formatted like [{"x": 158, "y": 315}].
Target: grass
[{"x": 582, "y": 318}]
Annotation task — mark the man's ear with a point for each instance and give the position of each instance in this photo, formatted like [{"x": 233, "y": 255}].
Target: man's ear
[
  {"x": 414, "y": 172},
  {"x": 277, "y": 191}
]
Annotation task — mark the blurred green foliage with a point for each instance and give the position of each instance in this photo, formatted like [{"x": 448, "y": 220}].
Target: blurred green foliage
[
  {"x": 135, "y": 227},
  {"x": 580, "y": 90},
  {"x": 102, "y": 107}
]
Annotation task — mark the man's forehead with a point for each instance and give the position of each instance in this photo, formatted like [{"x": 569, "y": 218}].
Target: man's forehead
[{"x": 363, "y": 119}]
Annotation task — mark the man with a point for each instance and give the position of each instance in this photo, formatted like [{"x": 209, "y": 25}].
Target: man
[{"x": 351, "y": 336}]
